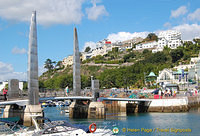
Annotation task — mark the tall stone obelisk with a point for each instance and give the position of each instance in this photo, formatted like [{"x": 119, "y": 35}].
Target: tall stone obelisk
[
  {"x": 76, "y": 67},
  {"x": 33, "y": 88}
]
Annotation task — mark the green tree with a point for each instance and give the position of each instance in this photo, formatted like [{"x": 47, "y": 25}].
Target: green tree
[
  {"x": 127, "y": 57},
  {"x": 146, "y": 53},
  {"x": 59, "y": 65},
  {"x": 176, "y": 55},
  {"x": 87, "y": 49},
  {"x": 196, "y": 41},
  {"x": 6, "y": 87},
  {"x": 85, "y": 81},
  {"x": 41, "y": 84},
  {"x": 151, "y": 37},
  {"x": 49, "y": 64},
  {"x": 115, "y": 50},
  {"x": 25, "y": 85}
]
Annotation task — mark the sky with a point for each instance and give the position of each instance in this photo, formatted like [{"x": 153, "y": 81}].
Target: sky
[{"x": 95, "y": 20}]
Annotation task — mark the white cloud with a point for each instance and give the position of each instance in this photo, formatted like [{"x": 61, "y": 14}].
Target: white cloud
[
  {"x": 41, "y": 70},
  {"x": 5, "y": 68},
  {"x": 90, "y": 44},
  {"x": 195, "y": 15},
  {"x": 167, "y": 24},
  {"x": 7, "y": 73},
  {"x": 122, "y": 36},
  {"x": 17, "y": 50},
  {"x": 188, "y": 31},
  {"x": 180, "y": 11},
  {"x": 48, "y": 11},
  {"x": 96, "y": 11}
]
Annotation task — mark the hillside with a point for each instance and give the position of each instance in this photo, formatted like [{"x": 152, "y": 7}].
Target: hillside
[{"x": 121, "y": 69}]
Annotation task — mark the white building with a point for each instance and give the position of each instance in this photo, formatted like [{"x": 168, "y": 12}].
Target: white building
[
  {"x": 186, "y": 66},
  {"x": 170, "y": 38},
  {"x": 167, "y": 76},
  {"x": 147, "y": 45},
  {"x": 3, "y": 84},
  {"x": 102, "y": 48},
  {"x": 193, "y": 61},
  {"x": 68, "y": 61},
  {"x": 128, "y": 44}
]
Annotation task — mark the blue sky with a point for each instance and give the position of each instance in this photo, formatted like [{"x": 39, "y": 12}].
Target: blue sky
[{"x": 94, "y": 19}]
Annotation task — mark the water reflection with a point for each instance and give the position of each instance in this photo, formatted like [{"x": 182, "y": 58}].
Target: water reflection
[
  {"x": 154, "y": 121},
  {"x": 119, "y": 115}
]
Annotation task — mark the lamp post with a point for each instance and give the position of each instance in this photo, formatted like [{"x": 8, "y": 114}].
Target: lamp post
[{"x": 91, "y": 83}]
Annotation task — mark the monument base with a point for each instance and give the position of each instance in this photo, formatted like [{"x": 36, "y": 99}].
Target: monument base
[{"x": 29, "y": 112}]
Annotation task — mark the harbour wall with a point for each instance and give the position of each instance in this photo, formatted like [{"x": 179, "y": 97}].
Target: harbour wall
[
  {"x": 174, "y": 105},
  {"x": 106, "y": 108}
]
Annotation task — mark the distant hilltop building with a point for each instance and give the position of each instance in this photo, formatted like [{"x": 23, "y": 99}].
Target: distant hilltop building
[
  {"x": 129, "y": 44},
  {"x": 170, "y": 38},
  {"x": 102, "y": 48},
  {"x": 68, "y": 61},
  {"x": 146, "y": 45}
]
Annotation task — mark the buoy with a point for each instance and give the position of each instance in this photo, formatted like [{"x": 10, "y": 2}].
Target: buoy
[{"x": 95, "y": 127}]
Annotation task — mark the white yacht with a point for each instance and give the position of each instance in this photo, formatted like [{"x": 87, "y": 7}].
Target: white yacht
[{"x": 57, "y": 128}]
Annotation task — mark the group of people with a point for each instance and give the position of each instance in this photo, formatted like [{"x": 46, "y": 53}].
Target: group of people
[{"x": 167, "y": 93}]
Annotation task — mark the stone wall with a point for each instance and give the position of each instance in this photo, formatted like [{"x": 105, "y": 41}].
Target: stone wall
[{"x": 169, "y": 105}]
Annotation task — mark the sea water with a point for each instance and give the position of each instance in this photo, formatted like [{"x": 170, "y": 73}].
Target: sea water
[{"x": 155, "y": 124}]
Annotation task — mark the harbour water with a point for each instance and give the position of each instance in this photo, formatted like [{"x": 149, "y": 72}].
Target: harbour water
[{"x": 155, "y": 124}]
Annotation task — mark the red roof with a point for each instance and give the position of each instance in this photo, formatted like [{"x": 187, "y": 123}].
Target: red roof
[{"x": 108, "y": 42}]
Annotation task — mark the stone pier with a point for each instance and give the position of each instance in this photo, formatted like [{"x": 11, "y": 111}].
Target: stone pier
[
  {"x": 79, "y": 109},
  {"x": 86, "y": 109},
  {"x": 125, "y": 107},
  {"x": 14, "y": 111},
  {"x": 96, "y": 110}
]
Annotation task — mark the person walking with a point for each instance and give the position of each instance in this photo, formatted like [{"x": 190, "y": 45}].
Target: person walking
[
  {"x": 67, "y": 91},
  {"x": 5, "y": 94}
]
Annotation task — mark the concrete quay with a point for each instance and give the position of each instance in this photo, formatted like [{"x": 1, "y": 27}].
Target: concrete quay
[
  {"x": 174, "y": 105},
  {"x": 104, "y": 108}
]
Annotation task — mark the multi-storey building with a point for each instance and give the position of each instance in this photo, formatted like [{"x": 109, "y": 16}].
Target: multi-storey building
[{"x": 170, "y": 38}]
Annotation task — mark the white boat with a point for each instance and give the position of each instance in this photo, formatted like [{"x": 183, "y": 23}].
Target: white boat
[{"x": 59, "y": 128}]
